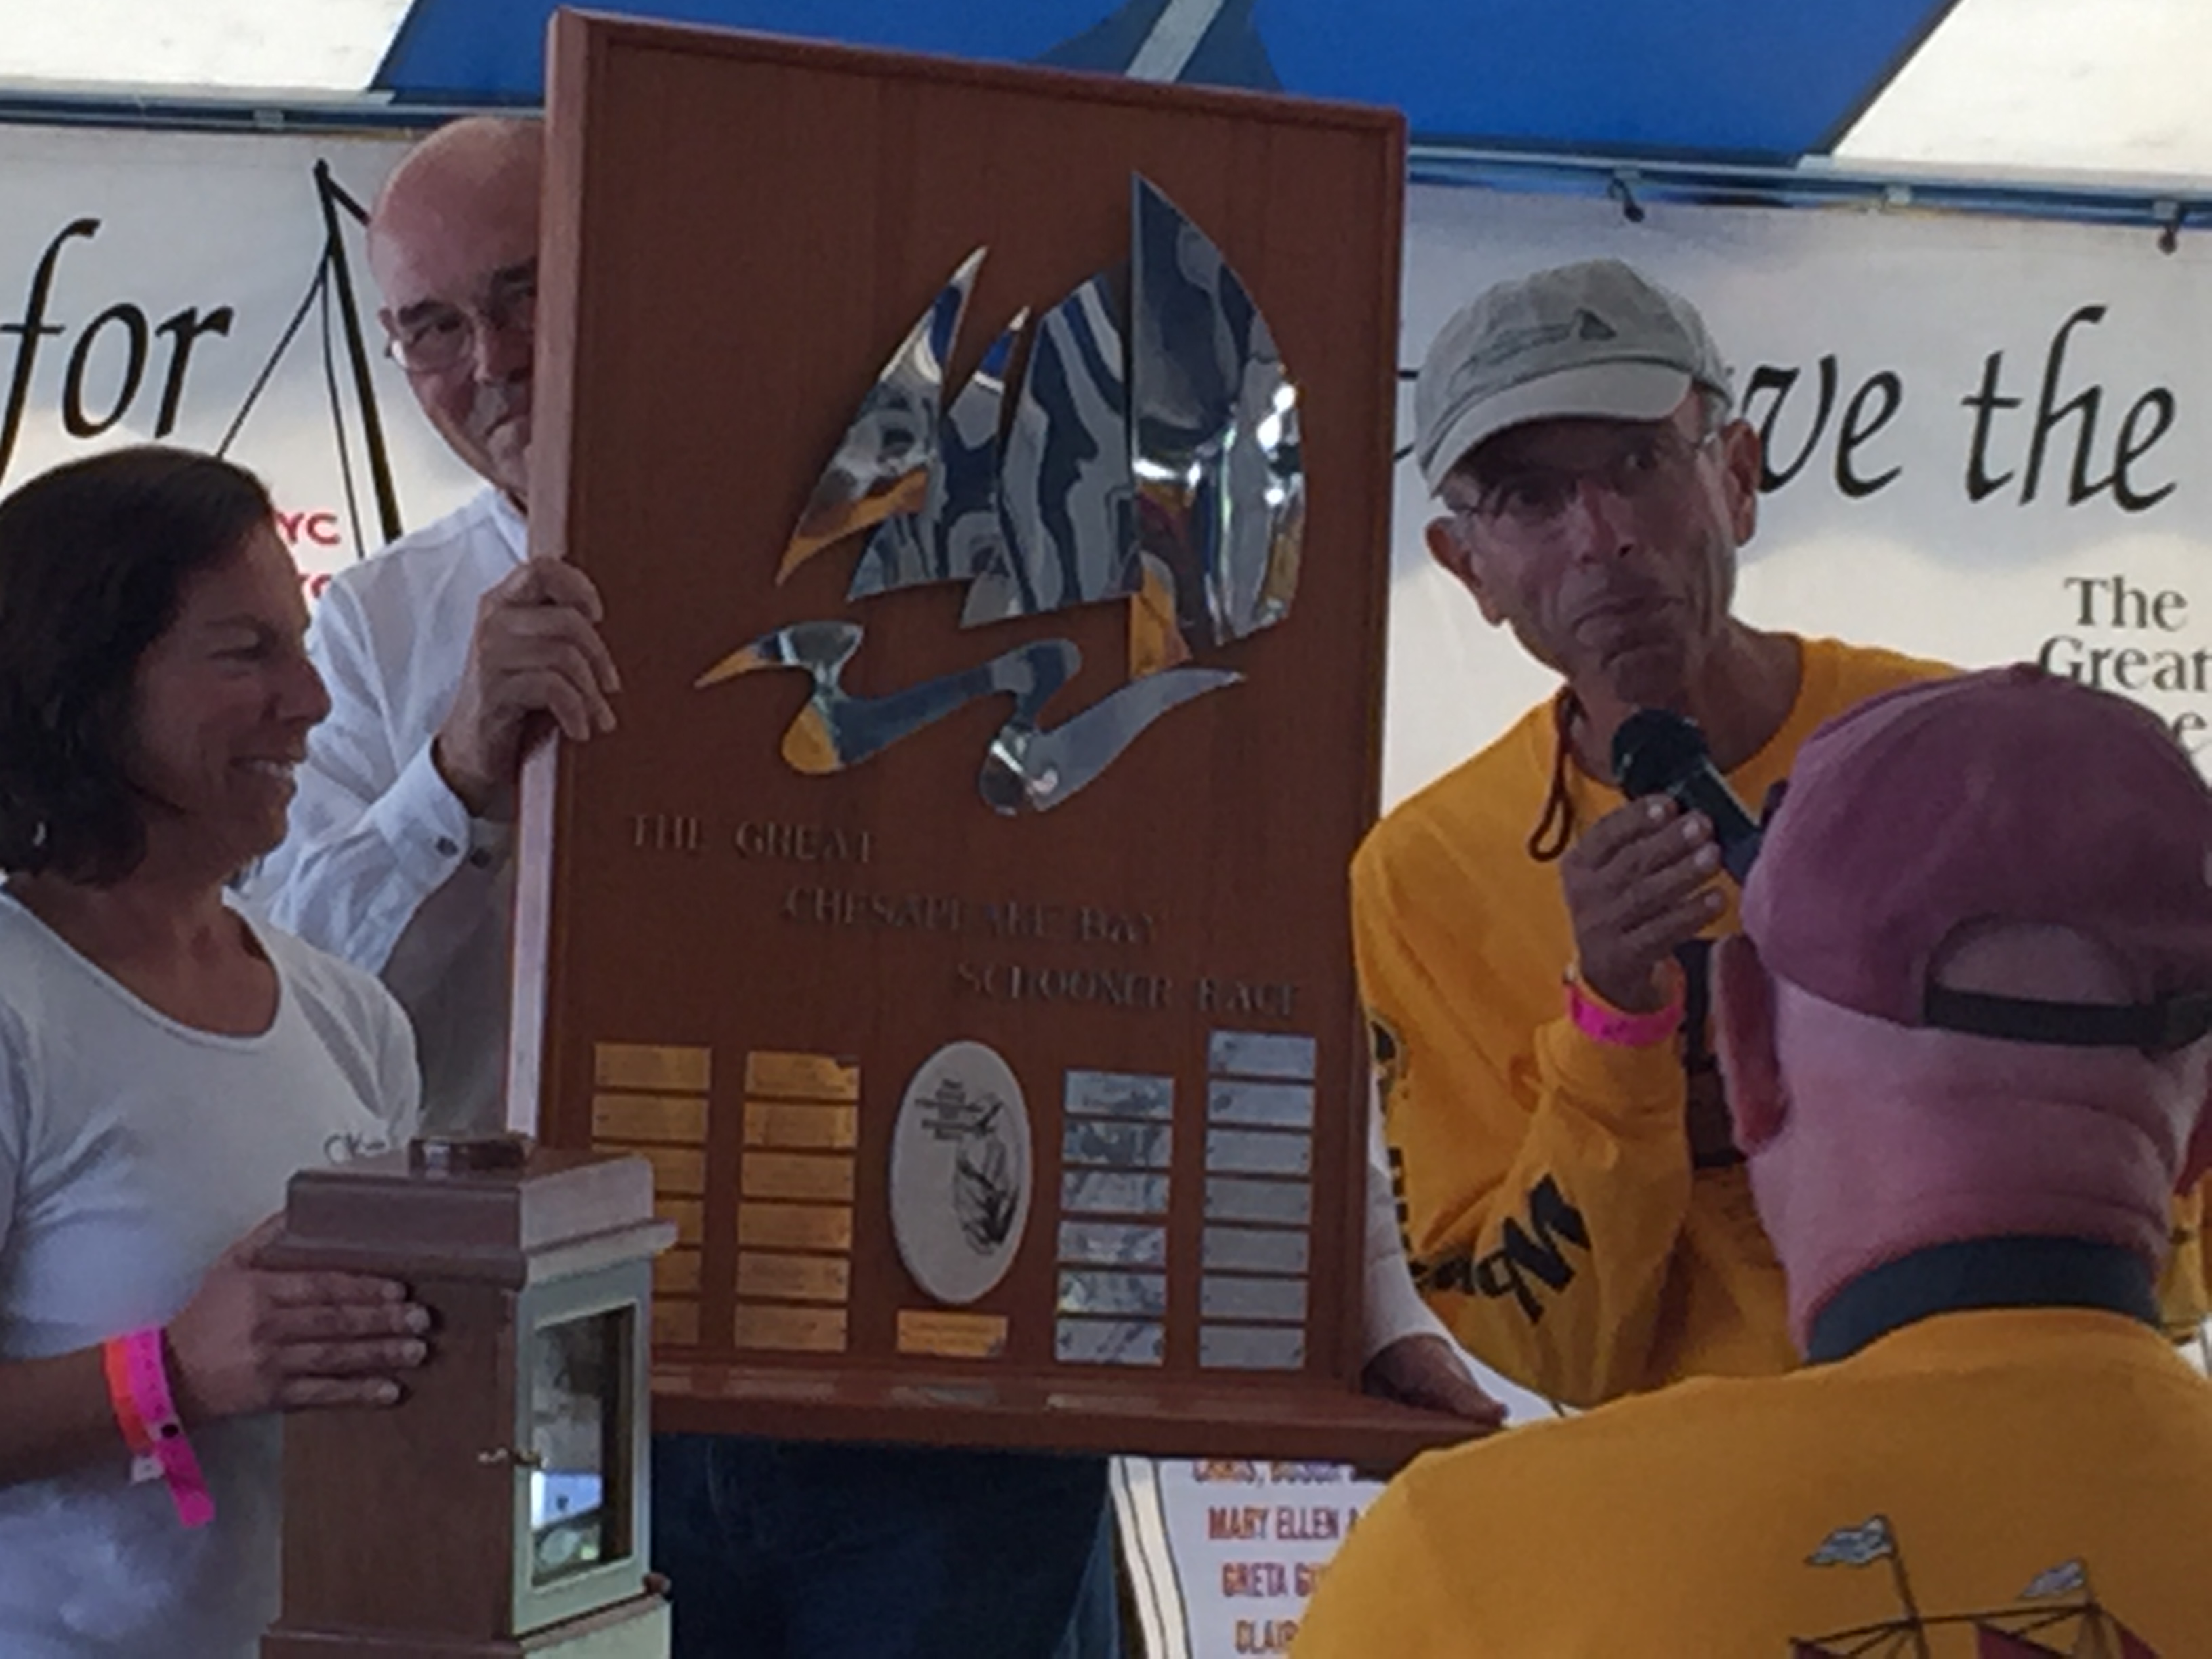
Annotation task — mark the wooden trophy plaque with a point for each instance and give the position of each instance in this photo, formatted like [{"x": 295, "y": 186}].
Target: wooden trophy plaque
[
  {"x": 986, "y": 475},
  {"x": 500, "y": 1509}
]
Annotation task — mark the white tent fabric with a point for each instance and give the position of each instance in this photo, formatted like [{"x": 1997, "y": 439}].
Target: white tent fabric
[
  {"x": 314, "y": 46},
  {"x": 2040, "y": 86}
]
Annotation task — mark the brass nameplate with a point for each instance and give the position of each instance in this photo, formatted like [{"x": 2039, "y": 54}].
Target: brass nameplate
[
  {"x": 951, "y": 1335},
  {"x": 795, "y": 1226},
  {"x": 1251, "y": 1347},
  {"x": 679, "y": 1118},
  {"x": 1234, "y": 1296},
  {"x": 1113, "y": 1243},
  {"x": 794, "y": 1277},
  {"x": 676, "y": 1322},
  {"x": 792, "y": 1330},
  {"x": 801, "y": 1077},
  {"x": 815, "y": 1128},
  {"x": 666, "y": 1070},
  {"x": 1109, "y": 1342},
  {"x": 1253, "y": 1250},
  {"x": 1262, "y": 1053},
  {"x": 676, "y": 1273},
  {"x": 794, "y": 1175},
  {"x": 676, "y": 1169}
]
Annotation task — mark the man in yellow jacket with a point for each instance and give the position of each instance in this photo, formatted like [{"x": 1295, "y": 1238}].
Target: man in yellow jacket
[
  {"x": 1532, "y": 947},
  {"x": 1965, "y": 1030}
]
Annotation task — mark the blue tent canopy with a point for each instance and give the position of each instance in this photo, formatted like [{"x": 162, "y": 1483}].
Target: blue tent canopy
[{"x": 1741, "y": 78}]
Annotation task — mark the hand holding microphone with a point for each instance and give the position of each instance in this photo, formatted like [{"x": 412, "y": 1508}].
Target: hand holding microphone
[
  {"x": 1640, "y": 882},
  {"x": 1658, "y": 753}
]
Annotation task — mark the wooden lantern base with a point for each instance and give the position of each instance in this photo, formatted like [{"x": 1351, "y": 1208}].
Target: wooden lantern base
[{"x": 636, "y": 1629}]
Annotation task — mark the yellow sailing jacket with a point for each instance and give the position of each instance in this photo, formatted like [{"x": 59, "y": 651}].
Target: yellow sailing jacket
[
  {"x": 1965, "y": 1482},
  {"x": 1551, "y": 1215}
]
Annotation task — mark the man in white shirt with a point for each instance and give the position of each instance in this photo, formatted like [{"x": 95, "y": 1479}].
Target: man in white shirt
[{"x": 447, "y": 652}]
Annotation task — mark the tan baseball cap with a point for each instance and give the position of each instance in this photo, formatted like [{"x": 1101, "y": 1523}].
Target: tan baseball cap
[{"x": 1596, "y": 339}]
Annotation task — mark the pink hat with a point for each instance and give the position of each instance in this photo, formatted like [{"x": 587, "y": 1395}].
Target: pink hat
[{"x": 2011, "y": 795}]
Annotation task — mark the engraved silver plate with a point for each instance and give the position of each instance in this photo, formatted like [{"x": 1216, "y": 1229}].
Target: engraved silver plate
[
  {"x": 1254, "y": 1250},
  {"x": 1255, "y": 1151},
  {"x": 1283, "y": 1203},
  {"x": 1118, "y": 1145},
  {"x": 1251, "y": 1347},
  {"x": 961, "y": 1173},
  {"x": 1113, "y": 1244},
  {"x": 1224, "y": 1297},
  {"x": 1262, "y": 1053},
  {"x": 1119, "y": 1094},
  {"x": 1088, "y": 1292},
  {"x": 1109, "y": 1191},
  {"x": 1261, "y": 1105},
  {"x": 1109, "y": 1342}
]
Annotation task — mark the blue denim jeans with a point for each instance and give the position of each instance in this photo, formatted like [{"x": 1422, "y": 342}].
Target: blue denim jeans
[{"x": 795, "y": 1550}]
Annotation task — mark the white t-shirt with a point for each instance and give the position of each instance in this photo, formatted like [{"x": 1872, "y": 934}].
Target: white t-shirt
[{"x": 133, "y": 1151}]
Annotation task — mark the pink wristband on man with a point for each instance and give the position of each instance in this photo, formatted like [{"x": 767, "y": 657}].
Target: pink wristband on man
[
  {"x": 1618, "y": 1028},
  {"x": 146, "y": 1413}
]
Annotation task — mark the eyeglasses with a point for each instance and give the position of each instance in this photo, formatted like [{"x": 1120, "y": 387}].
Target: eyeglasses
[
  {"x": 437, "y": 339},
  {"x": 1532, "y": 502}
]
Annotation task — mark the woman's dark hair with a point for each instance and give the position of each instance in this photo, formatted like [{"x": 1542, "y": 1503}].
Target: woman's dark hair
[{"x": 94, "y": 560}]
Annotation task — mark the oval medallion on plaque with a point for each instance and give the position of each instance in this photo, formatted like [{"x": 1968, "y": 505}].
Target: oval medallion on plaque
[{"x": 961, "y": 1172}]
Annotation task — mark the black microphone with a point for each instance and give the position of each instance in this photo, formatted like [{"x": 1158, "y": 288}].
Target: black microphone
[{"x": 1658, "y": 753}]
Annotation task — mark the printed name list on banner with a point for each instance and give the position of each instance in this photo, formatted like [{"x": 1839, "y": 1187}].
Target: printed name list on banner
[{"x": 1223, "y": 1555}]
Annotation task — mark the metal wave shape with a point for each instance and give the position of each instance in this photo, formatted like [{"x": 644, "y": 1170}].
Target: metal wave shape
[{"x": 1150, "y": 457}]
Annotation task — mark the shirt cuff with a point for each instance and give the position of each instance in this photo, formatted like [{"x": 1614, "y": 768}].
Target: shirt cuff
[{"x": 424, "y": 822}]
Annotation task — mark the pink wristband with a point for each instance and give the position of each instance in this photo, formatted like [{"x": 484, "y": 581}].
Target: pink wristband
[
  {"x": 1601, "y": 1021},
  {"x": 146, "y": 1412}
]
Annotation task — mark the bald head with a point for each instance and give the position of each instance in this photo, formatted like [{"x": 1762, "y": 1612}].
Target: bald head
[
  {"x": 482, "y": 166},
  {"x": 452, "y": 244}
]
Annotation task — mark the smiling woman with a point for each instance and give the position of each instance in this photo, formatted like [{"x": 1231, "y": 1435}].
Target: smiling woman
[
  {"x": 152, "y": 629},
  {"x": 166, "y": 1065}
]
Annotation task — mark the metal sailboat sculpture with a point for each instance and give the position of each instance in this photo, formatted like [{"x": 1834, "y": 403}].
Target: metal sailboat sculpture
[{"x": 1149, "y": 460}]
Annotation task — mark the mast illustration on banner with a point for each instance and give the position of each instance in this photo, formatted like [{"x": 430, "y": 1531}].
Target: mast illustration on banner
[
  {"x": 1149, "y": 460},
  {"x": 330, "y": 290}
]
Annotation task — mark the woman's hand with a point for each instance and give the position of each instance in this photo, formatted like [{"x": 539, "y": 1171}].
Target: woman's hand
[{"x": 255, "y": 1339}]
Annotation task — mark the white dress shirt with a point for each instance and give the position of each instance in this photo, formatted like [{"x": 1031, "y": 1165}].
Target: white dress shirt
[{"x": 384, "y": 865}]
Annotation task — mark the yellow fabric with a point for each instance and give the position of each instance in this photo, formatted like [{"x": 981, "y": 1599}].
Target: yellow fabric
[
  {"x": 1510, "y": 1132},
  {"x": 1997, "y": 1447}
]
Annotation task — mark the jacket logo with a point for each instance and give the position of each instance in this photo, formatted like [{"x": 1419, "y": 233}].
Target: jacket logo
[{"x": 1524, "y": 1254}]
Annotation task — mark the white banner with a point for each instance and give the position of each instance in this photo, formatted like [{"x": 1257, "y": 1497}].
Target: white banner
[
  {"x": 1984, "y": 443},
  {"x": 148, "y": 281}
]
